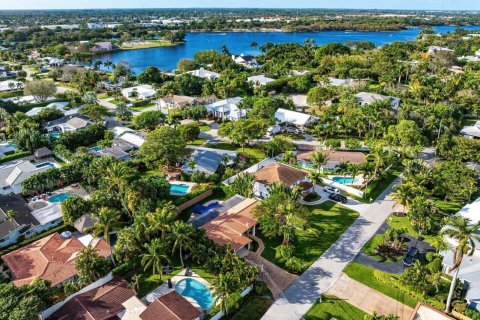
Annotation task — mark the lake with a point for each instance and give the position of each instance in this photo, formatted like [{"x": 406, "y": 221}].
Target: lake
[{"x": 166, "y": 58}]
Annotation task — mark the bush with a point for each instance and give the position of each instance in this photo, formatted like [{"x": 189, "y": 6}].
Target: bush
[
  {"x": 286, "y": 251},
  {"x": 141, "y": 103},
  {"x": 294, "y": 265},
  {"x": 459, "y": 306},
  {"x": 352, "y": 143},
  {"x": 474, "y": 314},
  {"x": 333, "y": 143},
  {"x": 13, "y": 156}
]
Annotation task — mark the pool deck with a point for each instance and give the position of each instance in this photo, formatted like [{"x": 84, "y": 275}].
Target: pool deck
[
  {"x": 357, "y": 182},
  {"x": 189, "y": 184},
  {"x": 164, "y": 289}
]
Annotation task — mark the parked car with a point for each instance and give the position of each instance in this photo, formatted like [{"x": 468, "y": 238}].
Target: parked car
[
  {"x": 332, "y": 190},
  {"x": 338, "y": 197},
  {"x": 410, "y": 256}
]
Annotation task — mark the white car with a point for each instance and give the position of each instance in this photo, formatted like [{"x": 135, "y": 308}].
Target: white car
[{"x": 331, "y": 190}]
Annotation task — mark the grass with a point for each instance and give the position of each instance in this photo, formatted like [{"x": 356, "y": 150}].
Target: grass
[
  {"x": 329, "y": 219},
  {"x": 448, "y": 207},
  {"x": 205, "y": 127},
  {"x": 117, "y": 102},
  {"x": 380, "y": 186},
  {"x": 253, "y": 308},
  {"x": 142, "y": 107},
  {"x": 197, "y": 142},
  {"x": 403, "y": 223},
  {"x": 469, "y": 121},
  {"x": 372, "y": 244},
  {"x": 103, "y": 96},
  {"x": 331, "y": 307},
  {"x": 365, "y": 275},
  {"x": 151, "y": 44},
  {"x": 252, "y": 153}
]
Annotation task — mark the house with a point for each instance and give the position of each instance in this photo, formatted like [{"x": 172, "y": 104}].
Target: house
[
  {"x": 435, "y": 49},
  {"x": 119, "y": 150},
  {"x": 207, "y": 215},
  {"x": 179, "y": 102},
  {"x": 56, "y": 105},
  {"x": 425, "y": 312},
  {"x": 299, "y": 73},
  {"x": 53, "y": 62},
  {"x": 367, "y": 98},
  {"x": 43, "y": 154},
  {"x": 259, "y": 80},
  {"x": 277, "y": 172},
  {"x": 470, "y": 268},
  {"x": 10, "y": 85},
  {"x": 298, "y": 119},
  {"x": 334, "y": 158},
  {"x": 232, "y": 226},
  {"x": 205, "y": 74},
  {"x": 471, "y": 132},
  {"x": 227, "y": 109},
  {"x": 247, "y": 61},
  {"x": 135, "y": 138},
  {"x": 118, "y": 131},
  {"x": 142, "y": 92},
  {"x": 208, "y": 160},
  {"x": 68, "y": 123},
  {"x": 15, "y": 218},
  {"x": 171, "y": 306},
  {"x": 341, "y": 82},
  {"x": 12, "y": 174},
  {"x": 51, "y": 258},
  {"x": 101, "y": 303},
  {"x": 102, "y": 46},
  {"x": 84, "y": 223}
]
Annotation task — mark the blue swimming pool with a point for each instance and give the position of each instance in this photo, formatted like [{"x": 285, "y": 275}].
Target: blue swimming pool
[
  {"x": 179, "y": 189},
  {"x": 345, "y": 180},
  {"x": 197, "y": 291},
  {"x": 45, "y": 164},
  {"x": 60, "y": 197},
  {"x": 55, "y": 135},
  {"x": 96, "y": 149}
]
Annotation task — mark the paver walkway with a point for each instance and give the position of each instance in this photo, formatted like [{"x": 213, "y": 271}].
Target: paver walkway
[
  {"x": 367, "y": 299},
  {"x": 304, "y": 292}
]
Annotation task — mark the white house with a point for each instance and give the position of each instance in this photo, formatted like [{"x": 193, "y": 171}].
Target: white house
[
  {"x": 142, "y": 92},
  {"x": 227, "y": 109},
  {"x": 68, "y": 123},
  {"x": 247, "y": 61},
  {"x": 178, "y": 102},
  {"x": 293, "y": 117},
  {"x": 341, "y": 82},
  {"x": 205, "y": 74},
  {"x": 260, "y": 80},
  {"x": 57, "y": 105},
  {"x": 10, "y": 85},
  {"x": 53, "y": 62},
  {"x": 135, "y": 138},
  {"x": 12, "y": 174},
  {"x": 367, "y": 98},
  {"x": 471, "y": 132},
  {"x": 470, "y": 267},
  {"x": 435, "y": 49},
  {"x": 277, "y": 172}
]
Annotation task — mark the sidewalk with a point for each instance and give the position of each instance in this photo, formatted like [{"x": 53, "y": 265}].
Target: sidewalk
[{"x": 368, "y": 299}]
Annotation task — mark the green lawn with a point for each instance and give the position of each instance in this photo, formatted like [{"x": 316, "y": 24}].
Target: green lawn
[
  {"x": 372, "y": 244},
  {"x": 329, "y": 219},
  {"x": 205, "y": 127},
  {"x": 379, "y": 186},
  {"x": 448, "y": 207},
  {"x": 151, "y": 44},
  {"x": 143, "y": 107},
  {"x": 253, "y": 153},
  {"x": 332, "y": 307},
  {"x": 365, "y": 275},
  {"x": 197, "y": 142},
  {"x": 253, "y": 308},
  {"x": 403, "y": 223}
]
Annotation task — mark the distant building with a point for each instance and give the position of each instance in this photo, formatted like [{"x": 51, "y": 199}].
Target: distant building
[
  {"x": 293, "y": 117},
  {"x": 10, "y": 85},
  {"x": 57, "y": 105},
  {"x": 249, "y": 62},
  {"x": 205, "y": 74},
  {"x": 341, "y": 82},
  {"x": 227, "y": 109},
  {"x": 208, "y": 160},
  {"x": 367, "y": 98},
  {"x": 142, "y": 92},
  {"x": 471, "y": 132},
  {"x": 435, "y": 49},
  {"x": 12, "y": 175},
  {"x": 102, "y": 46},
  {"x": 179, "y": 102},
  {"x": 260, "y": 80},
  {"x": 68, "y": 123}
]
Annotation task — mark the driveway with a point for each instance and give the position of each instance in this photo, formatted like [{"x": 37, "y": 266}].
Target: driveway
[
  {"x": 368, "y": 299},
  {"x": 323, "y": 273}
]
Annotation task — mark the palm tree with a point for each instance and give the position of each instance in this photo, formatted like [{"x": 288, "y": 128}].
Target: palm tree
[
  {"x": 106, "y": 220},
  {"x": 182, "y": 238},
  {"x": 319, "y": 159},
  {"x": 354, "y": 169},
  {"x": 136, "y": 282},
  {"x": 154, "y": 257},
  {"x": 191, "y": 164},
  {"x": 402, "y": 195},
  {"x": 90, "y": 97},
  {"x": 123, "y": 112},
  {"x": 221, "y": 291},
  {"x": 117, "y": 178},
  {"x": 243, "y": 184},
  {"x": 463, "y": 232},
  {"x": 9, "y": 216}
]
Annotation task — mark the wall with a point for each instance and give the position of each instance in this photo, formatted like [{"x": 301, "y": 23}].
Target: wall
[
  {"x": 342, "y": 187},
  {"x": 195, "y": 200}
]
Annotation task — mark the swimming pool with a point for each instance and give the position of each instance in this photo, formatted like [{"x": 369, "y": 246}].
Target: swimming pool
[
  {"x": 54, "y": 135},
  {"x": 45, "y": 164},
  {"x": 197, "y": 291},
  {"x": 179, "y": 189},
  {"x": 345, "y": 180},
  {"x": 96, "y": 149},
  {"x": 60, "y": 197}
]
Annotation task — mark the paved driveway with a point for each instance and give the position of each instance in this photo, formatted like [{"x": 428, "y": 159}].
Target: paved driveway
[{"x": 304, "y": 292}]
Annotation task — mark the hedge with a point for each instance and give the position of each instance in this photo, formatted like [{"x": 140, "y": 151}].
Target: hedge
[
  {"x": 141, "y": 103},
  {"x": 14, "y": 156}
]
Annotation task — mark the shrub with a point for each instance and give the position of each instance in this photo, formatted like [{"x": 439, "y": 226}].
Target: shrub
[
  {"x": 286, "y": 251},
  {"x": 352, "y": 143},
  {"x": 460, "y": 306},
  {"x": 474, "y": 314},
  {"x": 294, "y": 265},
  {"x": 141, "y": 103},
  {"x": 14, "y": 156},
  {"x": 333, "y": 143}
]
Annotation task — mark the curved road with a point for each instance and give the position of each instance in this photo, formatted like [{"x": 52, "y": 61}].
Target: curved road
[{"x": 304, "y": 292}]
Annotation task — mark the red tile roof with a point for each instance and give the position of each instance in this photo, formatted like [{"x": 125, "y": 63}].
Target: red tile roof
[
  {"x": 171, "y": 306},
  {"x": 51, "y": 258},
  {"x": 231, "y": 225},
  {"x": 102, "y": 303},
  {"x": 277, "y": 172}
]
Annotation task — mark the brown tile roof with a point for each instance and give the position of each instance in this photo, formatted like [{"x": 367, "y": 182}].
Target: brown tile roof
[
  {"x": 277, "y": 172},
  {"x": 171, "y": 306},
  {"x": 51, "y": 258},
  {"x": 230, "y": 226},
  {"x": 337, "y": 156},
  {"x": 101, "y": 303}
]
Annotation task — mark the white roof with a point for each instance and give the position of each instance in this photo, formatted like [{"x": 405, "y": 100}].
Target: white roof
[
  {"x": 294, "y": 117},
  {"x": 4, "y": 85},
  {"x": 118, "y": 131},
  {"x": 15, "y": 172},
  {"x": 51, "y": 212},
  {"x": 471, "y": 211},
  {"x": 340, "y": 82},
  {"x": 473, "y": 131},
  {"x": 367, "y": 97},
  {"x": 86, "y": 239},
  {"x": 133, "y": 309},
  {"x": 133, "y": 138},
  {"x": 227, "y": 103},
  {"x": 202, "y": 73},
  {"x": 57, "y": 105},
  {"x": 142, "y": 89},
  {"x": 260, "y": 79}
]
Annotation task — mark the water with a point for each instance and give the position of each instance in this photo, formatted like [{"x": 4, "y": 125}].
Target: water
[
  {"x": 197, "y": 291},
  {"x": 96, "y": 149},
  {"x": 45, "y": 164},
  {"x": 166, "y": 58},
  {"x": 344, "y": 180},
  {"x": 179, "y": 189},
  {"x": 60, "y": 197}
]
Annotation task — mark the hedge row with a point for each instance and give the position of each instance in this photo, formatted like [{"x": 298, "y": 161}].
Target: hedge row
[
  {"x": 141, "y": 103},
  {"x": 14, "y": 156}
]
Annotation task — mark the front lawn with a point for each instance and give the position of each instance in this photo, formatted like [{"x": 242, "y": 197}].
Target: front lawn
[
  {"x": 253, "y": 308},
  {"x": 254, "y": 154},
  {"x": 365, "y": 275},
  {"x": 205, "y": 127},
  {"x": 448, "y": 206},
  {"x": 331, "y": 307},
  {"x": 329, "y": 219},
  {"x": 141, "y": 108},
  {"x": 403, "y": 223},
  {"x": 372, "y": 244}
]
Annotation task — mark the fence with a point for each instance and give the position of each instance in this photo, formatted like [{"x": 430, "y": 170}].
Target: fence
[
  {"x": 195, "y": 200},
  {"x": 220, "y": 314}
]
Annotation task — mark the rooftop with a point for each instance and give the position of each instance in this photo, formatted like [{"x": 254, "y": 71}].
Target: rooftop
[
  {"x": 294, "y": 117},
  {"x": 277, "y": 172},
  {"x": 336, "y": 156},
  {"x": 171, "y": 306}
]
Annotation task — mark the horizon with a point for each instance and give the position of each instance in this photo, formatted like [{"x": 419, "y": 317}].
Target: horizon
[{"x": 405, "y": 5}]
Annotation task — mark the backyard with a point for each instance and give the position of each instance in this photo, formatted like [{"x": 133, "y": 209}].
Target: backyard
[
  {"x": 329, "y": 220},
  {"x": 331, "y": 307},
  {"x": 254, "y": 154}
]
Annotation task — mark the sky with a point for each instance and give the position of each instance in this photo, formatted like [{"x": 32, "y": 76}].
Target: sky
[{"x": 358, "y": 4}]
